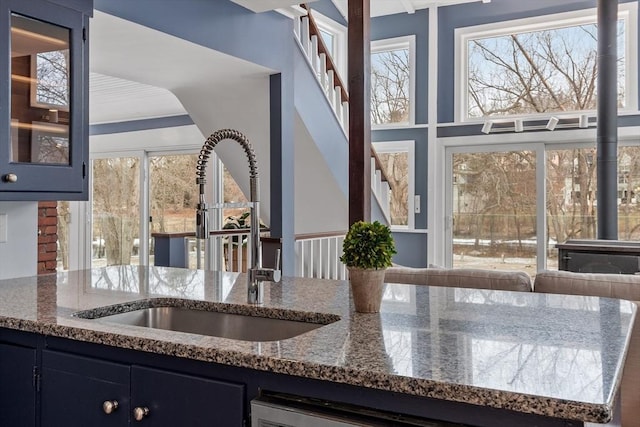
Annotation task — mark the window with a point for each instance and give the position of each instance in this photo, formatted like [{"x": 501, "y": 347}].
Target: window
[
  {"x": 334, "y": 37},
  {"x": 392, "y": 81},
  {"x": 540, "y": 65},
  {"x": 398, "y": 163}
]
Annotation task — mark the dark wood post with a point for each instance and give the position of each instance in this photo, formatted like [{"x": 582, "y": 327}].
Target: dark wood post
[{"x": 359, "y": 78}]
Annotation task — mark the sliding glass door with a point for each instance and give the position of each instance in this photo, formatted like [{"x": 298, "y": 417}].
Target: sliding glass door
[{"x": 494, "y": 209}]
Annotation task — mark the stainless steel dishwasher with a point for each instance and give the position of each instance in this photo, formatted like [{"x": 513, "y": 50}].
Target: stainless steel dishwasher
[{"x": 283, "y": 410}]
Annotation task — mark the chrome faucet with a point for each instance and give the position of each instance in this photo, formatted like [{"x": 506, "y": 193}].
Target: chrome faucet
[{"x": 256, "y": 274}]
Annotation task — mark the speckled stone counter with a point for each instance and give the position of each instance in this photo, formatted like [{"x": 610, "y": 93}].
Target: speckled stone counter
[{"x": 550, "y": 355}]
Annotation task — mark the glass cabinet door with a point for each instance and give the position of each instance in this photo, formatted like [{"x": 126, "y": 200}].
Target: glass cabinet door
[
  {"x": 43, "y": 108},
  {"x": 40, "y": 69}
]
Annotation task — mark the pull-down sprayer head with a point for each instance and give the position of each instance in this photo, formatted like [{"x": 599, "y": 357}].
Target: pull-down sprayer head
[{"x": 256, "y": 273}]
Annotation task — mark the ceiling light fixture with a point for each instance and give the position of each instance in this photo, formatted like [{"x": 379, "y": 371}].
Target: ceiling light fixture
[{"x": 552, "y": 123}]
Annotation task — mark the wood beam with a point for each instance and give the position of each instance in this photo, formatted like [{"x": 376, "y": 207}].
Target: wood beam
[{"x": 359, "y": 78}]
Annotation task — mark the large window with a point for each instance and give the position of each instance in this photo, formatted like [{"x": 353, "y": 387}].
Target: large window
[
  {"x": 540, "y": 65},
  {"x": 398, "y": 163},
  {"x": 511, "y": 206},
  {"x": 392, "y": 81}
]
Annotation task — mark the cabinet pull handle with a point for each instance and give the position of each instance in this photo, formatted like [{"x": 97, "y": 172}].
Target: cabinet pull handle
[
  {"x": 139, "y": 412},
  {"x": 10, "y": 177},
  {"x": 109, "y": 406}
]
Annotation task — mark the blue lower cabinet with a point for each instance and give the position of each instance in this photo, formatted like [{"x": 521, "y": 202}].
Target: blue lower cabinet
[
  {"x": 166, "y": 399},
  {"x": 18, "y": 383},
  {"x": 79, "y": 391}
]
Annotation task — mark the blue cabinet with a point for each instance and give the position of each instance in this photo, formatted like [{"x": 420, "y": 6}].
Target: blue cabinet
[
  {"x": 84, "y": 391},
  {"x": 80, "y": 391},
  {"x": 44, "y": 107},
  {"x": 18, "y": 382}
]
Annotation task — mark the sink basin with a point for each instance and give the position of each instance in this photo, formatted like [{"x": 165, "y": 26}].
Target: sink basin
[{"x": 213, "y": 323}]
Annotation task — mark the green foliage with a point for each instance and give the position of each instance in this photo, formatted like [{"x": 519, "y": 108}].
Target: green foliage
[{"x": 368, "y": 245}]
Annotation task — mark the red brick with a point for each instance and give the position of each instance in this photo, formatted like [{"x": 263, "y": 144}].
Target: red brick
[
  {"x": 48, "y": 220},
  {"x": 48, "y": 204},
  {"x": 52, "y": 247},
  {"x": 51, "y": 229},
  {"x": 46, "y": 256},
  {"x": 51, "y": 212}
]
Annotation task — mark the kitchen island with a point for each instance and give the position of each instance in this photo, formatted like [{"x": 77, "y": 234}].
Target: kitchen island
[{"x": 475, "y": 357}]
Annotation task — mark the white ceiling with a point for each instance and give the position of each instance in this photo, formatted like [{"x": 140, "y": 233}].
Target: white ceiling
[{"x": 136, "y": 70}]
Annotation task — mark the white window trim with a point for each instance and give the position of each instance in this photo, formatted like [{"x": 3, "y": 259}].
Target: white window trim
[
  {"x": 408, "y": 147},
  {"x": 397, "y": 43},
  {"x": 626, "y": 11},
  {"x": 339, "y": 33}
]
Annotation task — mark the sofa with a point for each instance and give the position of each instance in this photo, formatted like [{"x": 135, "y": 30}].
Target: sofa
[
  {"x": 621, "y": 286},
  {"x": 460, "y": 278}
]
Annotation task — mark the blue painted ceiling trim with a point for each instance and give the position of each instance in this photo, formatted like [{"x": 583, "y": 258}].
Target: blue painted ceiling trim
[{"x": 138, "y": 125}]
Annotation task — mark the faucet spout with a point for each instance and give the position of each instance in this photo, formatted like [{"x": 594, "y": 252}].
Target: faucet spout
[{"x": 256, "y": 273}]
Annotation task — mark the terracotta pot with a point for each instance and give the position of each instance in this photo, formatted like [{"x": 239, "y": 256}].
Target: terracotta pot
[{"x": 367, "y": 287}]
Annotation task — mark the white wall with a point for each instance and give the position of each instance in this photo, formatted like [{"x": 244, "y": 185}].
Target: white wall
[{"x": 19, "y": 254}]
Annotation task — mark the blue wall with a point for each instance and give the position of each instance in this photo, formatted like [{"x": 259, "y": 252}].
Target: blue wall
[{"x": 328, "y": 9}]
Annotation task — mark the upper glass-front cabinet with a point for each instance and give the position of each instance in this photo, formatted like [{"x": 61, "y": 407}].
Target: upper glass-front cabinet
[{"x": 44, "y": 107}]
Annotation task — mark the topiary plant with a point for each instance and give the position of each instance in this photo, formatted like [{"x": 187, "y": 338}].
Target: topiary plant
[{"x": 368, "y": 245}]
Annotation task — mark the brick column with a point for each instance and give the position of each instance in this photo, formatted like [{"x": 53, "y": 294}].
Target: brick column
[{"x": 47, "y": 237}]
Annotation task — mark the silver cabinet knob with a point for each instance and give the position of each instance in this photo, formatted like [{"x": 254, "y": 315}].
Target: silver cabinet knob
[
  {"x": 139, "y": 412},
  {"x": 109, "y": 406},
  {"x": 10, "y": 177}
]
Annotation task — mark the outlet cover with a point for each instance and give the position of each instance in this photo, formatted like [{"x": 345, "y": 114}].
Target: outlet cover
[
  {"x": 416, "y": 203},
  {"x": 3, "y": 227}
]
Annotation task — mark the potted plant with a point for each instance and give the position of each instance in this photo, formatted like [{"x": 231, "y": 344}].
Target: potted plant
[{"x": 366, "y": 251}]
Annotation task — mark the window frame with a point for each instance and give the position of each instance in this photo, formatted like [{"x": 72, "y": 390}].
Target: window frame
[
  {"x": 339, "y": 33},
  {"x": 406, "y": 146},
  {"x": 627, "y": 12},
  {"x": 397, "y": 43}
]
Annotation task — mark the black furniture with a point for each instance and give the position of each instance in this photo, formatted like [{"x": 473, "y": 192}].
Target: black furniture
[{"x": 599, "y": 256}]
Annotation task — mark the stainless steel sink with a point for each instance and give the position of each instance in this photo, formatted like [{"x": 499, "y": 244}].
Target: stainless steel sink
[{"x": 213, "y": 323}]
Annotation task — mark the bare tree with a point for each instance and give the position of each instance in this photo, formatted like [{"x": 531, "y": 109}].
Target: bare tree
[
  {"x": 390, "y": 77},
  {"x": 541, "y": 71},
  {"x": 115, "y": 206}
]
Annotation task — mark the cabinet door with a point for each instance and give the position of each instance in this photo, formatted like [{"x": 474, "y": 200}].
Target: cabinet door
[
  {"x": 43, "y": 122},
  {"x": 17, "y": 386},
  {"x": 75, "y": 390},
  {"x": 181, "y": 400}
]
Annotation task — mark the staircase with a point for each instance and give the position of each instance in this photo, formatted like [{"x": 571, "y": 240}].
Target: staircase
[{"x": 319, "y": 59}]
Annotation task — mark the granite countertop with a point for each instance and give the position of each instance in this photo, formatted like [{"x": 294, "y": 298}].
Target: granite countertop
[{"x": 550, "y": 355}]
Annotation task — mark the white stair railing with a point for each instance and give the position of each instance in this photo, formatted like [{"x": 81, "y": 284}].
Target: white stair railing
[{"x": 318, "y": 256}]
